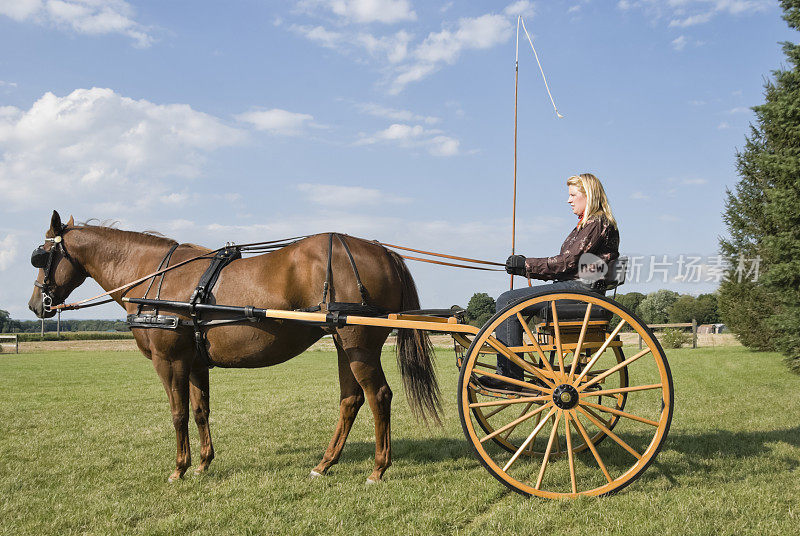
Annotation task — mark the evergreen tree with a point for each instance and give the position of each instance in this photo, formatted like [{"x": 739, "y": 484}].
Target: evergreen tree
[{"x": 763, "y": 217}]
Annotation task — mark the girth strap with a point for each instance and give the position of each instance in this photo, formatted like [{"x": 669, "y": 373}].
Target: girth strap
[{"x": 203, "y": 291}]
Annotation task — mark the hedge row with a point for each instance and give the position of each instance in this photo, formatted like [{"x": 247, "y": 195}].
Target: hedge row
[{"x": 75, "y": 336}]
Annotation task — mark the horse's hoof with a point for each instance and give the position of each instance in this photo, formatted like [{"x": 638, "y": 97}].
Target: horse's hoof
[
  {"x": 174, "y": 478},
  {"x": 315, "y": 474},
  {"x": 199, "y": 471},
  {"x": 371, "y": 481}
]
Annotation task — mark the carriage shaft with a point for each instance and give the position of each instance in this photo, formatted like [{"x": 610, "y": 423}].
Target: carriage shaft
[{"x": 394, "y": 320}]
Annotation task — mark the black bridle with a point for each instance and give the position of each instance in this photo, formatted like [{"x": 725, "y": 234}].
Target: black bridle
[{"x": 44, "y": 259}]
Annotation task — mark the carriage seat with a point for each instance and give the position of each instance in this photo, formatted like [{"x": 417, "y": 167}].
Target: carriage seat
[{"x": 574, "y": 311}]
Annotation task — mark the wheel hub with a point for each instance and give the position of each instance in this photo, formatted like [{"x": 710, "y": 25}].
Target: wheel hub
[{"x": 565, "y": 396}]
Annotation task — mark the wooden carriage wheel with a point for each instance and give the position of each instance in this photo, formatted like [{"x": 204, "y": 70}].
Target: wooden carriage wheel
[
  {"x": 545, "y": 438},
  {"x": 489, "y": 417}
]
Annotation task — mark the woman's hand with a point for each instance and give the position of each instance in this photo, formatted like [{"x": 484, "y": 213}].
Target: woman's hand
[{"x": 515, "y": 265}]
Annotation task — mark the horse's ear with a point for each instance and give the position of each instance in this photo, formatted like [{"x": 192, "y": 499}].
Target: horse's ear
[
  {"x": 71, "y": 221},
  {"x": 55, "y": 223}
]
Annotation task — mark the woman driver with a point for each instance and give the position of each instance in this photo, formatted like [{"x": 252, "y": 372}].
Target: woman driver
[{"x": 596, "y": 233}]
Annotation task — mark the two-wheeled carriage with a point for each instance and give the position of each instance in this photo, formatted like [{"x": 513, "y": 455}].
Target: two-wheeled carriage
[{"x": 585, "y": 419}]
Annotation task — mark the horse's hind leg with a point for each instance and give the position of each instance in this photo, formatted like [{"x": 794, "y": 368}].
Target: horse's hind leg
[
  {"x": 199, "y": 396},
  {"x": 363, "y": 346},
  {"x": 350, "y": 400}
]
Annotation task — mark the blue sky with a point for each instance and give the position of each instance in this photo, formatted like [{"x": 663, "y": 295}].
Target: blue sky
[{"x": 385, "y": 119}]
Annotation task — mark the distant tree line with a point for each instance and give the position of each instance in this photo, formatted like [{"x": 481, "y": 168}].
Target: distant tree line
[
  {"x": 660, "y": 307},
  {"x": 9, "y": 325}
]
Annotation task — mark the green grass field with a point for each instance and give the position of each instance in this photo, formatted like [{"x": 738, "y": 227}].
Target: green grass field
[{"x": 86, "y": 445}]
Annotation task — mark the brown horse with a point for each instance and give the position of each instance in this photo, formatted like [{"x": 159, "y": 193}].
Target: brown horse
[{"x": 289, "y": 278}]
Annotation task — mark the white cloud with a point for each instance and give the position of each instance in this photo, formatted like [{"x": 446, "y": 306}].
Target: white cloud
[
  {"x": 692, "y": 20},
  {"x": 392, "y": 48},
  {"x": 409, "y": 63},
  {"x": 443, "y": 146},
  {"x": 521, "y": 7},
  {"x": 90, "y": 17},
  {"x": 333, "y": 196},
  {"x": 446, "y": 46},
  {"x": 723, "y": 125},
  {"x": 640, "y": 196},
  {"x": 686, "y": 13},
  {"x": 94, "y": 145},
  {"x": 414, "y": 136},
  {"x": 739, "y": 110},
  {"x": 277, "y": 121},
  {"x": 679, "y": 43},
  {"x": 377, "y": 110},
  {"x": 363, "y": 11},
  {"x": 8, "y": 251}
]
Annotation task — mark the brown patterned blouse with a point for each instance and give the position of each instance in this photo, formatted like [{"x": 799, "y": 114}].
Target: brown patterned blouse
[{"x": 597, "y": 236}]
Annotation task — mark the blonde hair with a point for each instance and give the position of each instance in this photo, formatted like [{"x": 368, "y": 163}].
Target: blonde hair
[{"x": 596, "y": 200}]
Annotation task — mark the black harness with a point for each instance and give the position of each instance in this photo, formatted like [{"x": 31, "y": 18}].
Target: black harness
[
  {"x": 203, "y": 293},
  {"x": 42, "y": 258}
]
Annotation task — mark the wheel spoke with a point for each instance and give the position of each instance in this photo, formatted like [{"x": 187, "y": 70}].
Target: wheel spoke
[
  {"x": 577, "y": 352},
  {"x": 557, "y": 332},
  {"x": 598, "y": 417},
  {"x": 513, "y": 423},
  {"x": 615, "y": 368},
  {"x": 619, "y": 390},
  {"x": 535, "y": 343},
  {"x": 500, "y": 347},
  {"x": 521, "y": 413},
  {"x": 599, "y": 352},
  {"x": 505, "y": 402},
  {"x": 546, "y": 459},
  {"x": 620, "y": 413},
  {"x": 530, "y": 437},
  {"x": 611, "y": 434},
  {"x": 515, "y": 382},
  {"x": 592, "y": 448},
  {"x": 569, "y": 453},
  {"x": 495, "y": 412}
]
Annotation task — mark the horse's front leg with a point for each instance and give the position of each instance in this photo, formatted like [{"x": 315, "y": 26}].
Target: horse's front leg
[
  {"x": 175, "y": 377},
  {"x": 199, "y": 396}
]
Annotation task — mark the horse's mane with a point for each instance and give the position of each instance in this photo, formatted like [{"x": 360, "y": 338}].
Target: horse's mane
[{"x": 150, "y": 236}]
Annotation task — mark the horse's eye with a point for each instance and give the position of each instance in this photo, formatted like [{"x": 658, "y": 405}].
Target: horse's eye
[{"x": 39, "y": 258}]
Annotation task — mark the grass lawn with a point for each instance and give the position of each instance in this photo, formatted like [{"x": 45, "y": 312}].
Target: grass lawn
[{"x": 86, "y": 445}]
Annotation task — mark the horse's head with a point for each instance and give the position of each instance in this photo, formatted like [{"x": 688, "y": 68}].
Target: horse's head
[{"x": 59, "y": 273}]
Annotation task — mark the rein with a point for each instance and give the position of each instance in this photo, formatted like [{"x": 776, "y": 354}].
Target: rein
[
  {"x": 260, "y": 247},
  {"x": 253, "y": 247},
  {"x": 442, "y": 255}
]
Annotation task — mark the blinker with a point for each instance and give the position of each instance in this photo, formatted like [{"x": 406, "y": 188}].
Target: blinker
[{"x": 39, "y": 258}]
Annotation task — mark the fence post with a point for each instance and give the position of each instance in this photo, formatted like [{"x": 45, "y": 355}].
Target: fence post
[
  {"x": 16, "y": 339},
  {"x": 694, "y": 333},
  {"x": 640, "y": 342}
]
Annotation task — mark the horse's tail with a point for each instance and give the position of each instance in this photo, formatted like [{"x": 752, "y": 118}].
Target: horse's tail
[{"x": 415, "y": 355}]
